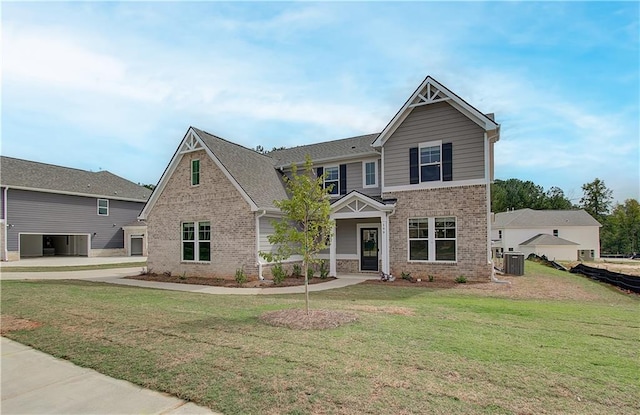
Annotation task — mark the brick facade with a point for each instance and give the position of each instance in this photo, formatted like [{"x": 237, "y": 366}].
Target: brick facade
[
  {"x": 468, "y": 204},
  {"x": 215, "y": 199}
]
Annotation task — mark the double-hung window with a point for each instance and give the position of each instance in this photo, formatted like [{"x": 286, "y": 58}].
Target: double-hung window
[
  {"x": 196, "y": 241},
  {"x": 332, "y": 179},
  {"x": 103, "y": 207},
  {"x": 370, "y": 174},
  {"x": 432, "y": 239},
  {"x": 430, "y": 162},
  {"x": 195, "y": 172}
]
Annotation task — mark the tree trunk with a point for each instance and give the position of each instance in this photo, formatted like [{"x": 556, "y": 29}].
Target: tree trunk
[{"x": 306, "y": 285}]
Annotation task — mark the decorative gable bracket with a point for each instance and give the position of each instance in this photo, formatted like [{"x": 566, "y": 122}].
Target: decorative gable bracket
[
  {"x": 190, "y": 144},
  {"x": 429, "y": 95}
]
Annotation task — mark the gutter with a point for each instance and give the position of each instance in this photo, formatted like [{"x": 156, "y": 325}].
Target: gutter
[
  {"x": 5, "y": 252},
  {"x": 258, "y": 216}
]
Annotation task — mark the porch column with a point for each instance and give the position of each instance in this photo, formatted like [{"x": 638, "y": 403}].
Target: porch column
[
  {"x": 332, "y": 252},
  {"x": 384, "y": 242}
]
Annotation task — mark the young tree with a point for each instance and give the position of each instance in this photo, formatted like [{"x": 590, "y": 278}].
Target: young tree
[
  {"x": 597, "y": 199},
  {"x": 305, "y": 228}
]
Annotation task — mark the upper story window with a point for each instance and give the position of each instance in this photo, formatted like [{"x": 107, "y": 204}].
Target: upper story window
[
  {"x": 555, "y": 232},
  {"x": 370, "y": 174},
  {"x": 195, "y": 172},
  {"x": 103, "y": 207},
  {"x": 332, "y": 179},
  {"x": 499, "y": 234},
  {"x": 431, "y": 162}
]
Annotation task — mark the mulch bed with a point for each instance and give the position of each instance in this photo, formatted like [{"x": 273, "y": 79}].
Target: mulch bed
[
  {"x": 436, "y": 283},
  {"x": 227, "y": 282},
  {"x": 298, "y": 319}
]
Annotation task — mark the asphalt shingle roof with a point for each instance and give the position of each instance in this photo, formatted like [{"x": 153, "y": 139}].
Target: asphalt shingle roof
[
  {"x": 529, "y": 218},
  {"x": 27, "y": 174},
  {"x": 254, "y": 172},
  {"x": 359, "y": 146},
  {"x": 546, "y": 239}
]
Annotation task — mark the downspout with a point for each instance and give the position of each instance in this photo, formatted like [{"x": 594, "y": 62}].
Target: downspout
[
  {"x": 258, "y": 216},
  {"x": 5, "y": 252}
]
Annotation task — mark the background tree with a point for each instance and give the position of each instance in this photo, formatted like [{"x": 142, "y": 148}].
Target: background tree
[
  {"x": 555, "y": 199},
  {"x": 596, "y": 199},
  {"x": 305, "y": 228},
  {"x": 516, "y": 194},
  {"x": 622, "y": 231}
]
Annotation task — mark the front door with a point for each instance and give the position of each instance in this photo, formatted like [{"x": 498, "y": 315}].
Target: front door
[{"x": 369, "y": 249}]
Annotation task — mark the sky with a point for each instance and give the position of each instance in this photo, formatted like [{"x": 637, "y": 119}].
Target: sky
[{"x": 115, "y": 85}]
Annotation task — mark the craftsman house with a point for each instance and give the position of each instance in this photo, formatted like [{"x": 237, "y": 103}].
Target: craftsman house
[
  {"x": 567, "y": 235},
  {"x": 413, "y": 198},
  {"x": 48, "y": 210}
]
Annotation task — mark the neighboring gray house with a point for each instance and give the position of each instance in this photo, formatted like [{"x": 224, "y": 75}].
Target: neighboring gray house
[
  {"x": 52, "y": 210},
  {"x": 412, "y": 198},
  {"x": 568, "y": 235}
]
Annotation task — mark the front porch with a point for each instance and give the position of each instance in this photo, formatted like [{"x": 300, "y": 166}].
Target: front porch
[{"x": 360, "y": 242}]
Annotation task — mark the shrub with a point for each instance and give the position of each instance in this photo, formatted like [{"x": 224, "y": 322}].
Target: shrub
[
  {"x": 324, "y": 271},
  {"x": 297, "y": 270},
  {"x": 310, "y": 272},
  {"x": 461, "y": 279},
  {"x": 430, "y": 278},
  {"x": 167, "y": 273},
  {"x": 405, "y": 275},
  {"x": 183, "y": 276},
  {"x": 241, "y": 278},
  {"x": 278, "y": 273}
]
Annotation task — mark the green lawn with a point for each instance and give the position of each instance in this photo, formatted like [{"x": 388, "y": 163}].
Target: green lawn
[{"x": 454, "y": 351}]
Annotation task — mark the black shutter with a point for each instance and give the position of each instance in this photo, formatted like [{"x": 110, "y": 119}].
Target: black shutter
[
  {"x": 414, "y": 170},
  {"x": 447, "y": 162},
  {"x": 319, "y": 172},
  {"x": 343, "y": 179}
]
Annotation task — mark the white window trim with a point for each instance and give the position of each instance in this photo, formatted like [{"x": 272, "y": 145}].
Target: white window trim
[
  {"x": 199, "y": 170},
  {"x": 432, "y": 240},
  {"x": 98, "y": 210},
  {"x": 324, "y": 179},
  {"x": 437, "y": 143},
  {"x": 364, "y": 174},
  {"x": 196, "y": 241}
]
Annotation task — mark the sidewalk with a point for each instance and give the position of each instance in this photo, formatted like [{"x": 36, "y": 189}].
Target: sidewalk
[{"x": 37, "y": 383}]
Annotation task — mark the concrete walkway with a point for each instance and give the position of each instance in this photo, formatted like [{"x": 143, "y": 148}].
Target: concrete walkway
[{"x": 37, "y": 383}]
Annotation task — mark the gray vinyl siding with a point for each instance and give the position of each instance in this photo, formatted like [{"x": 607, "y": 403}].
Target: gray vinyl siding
[
  {"x": 266, "y": 229},
  {"x": 355, "y": 179},
  {"x": 43, "y": 213},
  {"x": 434, "y": 122},
  {"x": 347, "y": 235}
]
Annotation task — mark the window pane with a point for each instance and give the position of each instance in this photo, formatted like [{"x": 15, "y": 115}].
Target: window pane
[
  {"x": 370, "y": 170},
  {"x": 188, "y": 231},
  {"x": 418, "y": 250},
  {"x": 195, "y": 172},
  {"x": 332, "y": 186},
  {"x": 445, "y": 250},
  {"x": 430, "y": 173},
  {"x": 204, "y": 233},
  {"x": 188, "y": 251},
  {"x": 430, "y": 155},
  {"x": 331, "y": 173},
  {"x": 204, "y": 251}
]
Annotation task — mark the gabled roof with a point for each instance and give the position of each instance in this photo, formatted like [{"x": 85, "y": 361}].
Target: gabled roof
[
  {"x": 327, "y": 151},
  {"x": 529, "y": 218},
  {"x": 429, "y": 92},
  {"x": 546, "y": 239},
  {"x": 30, "y": 175},
  {"x": 255, "y": 173}
]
